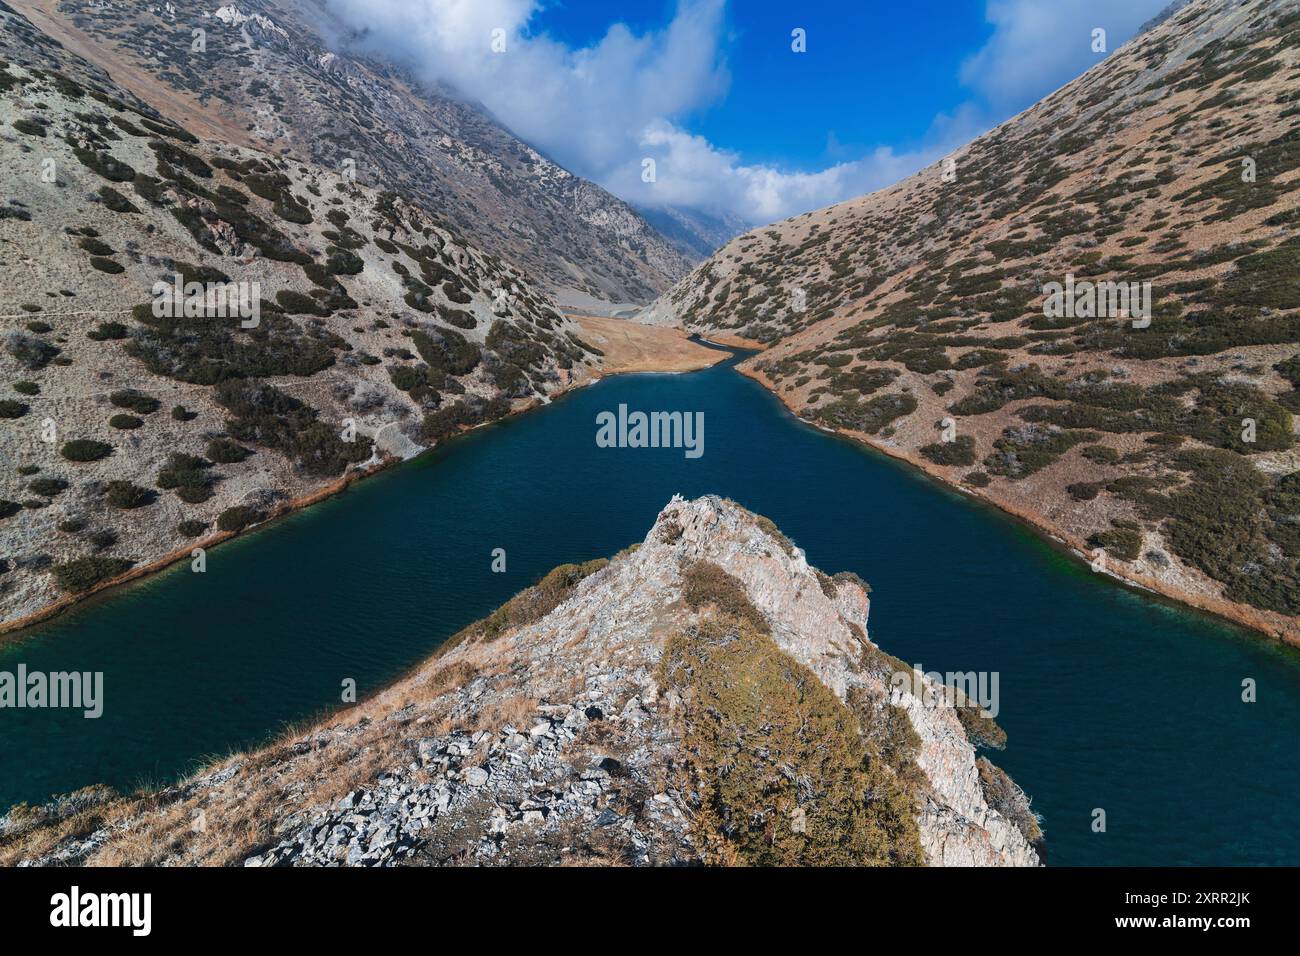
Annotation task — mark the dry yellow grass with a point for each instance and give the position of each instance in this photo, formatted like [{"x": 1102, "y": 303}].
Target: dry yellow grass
[{"x": 630, "y": 347}]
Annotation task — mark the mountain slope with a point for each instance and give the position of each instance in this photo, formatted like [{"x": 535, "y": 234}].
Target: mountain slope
[
  {"x": 696, "y": 234},
  {"x": 918, "y": 318},
  {"x": 703, "y": 697},
  {"x": 278, "y": 75},
  {"x": 132, "y": 433}
]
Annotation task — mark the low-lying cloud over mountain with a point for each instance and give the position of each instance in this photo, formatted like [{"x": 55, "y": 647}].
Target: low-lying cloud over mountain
[{"x": 605, "y": 108}]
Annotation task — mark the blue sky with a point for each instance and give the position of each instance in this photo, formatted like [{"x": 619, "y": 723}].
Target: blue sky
[
  {"x": 875, "y": 73},
  {"x": 712, "y": 94}
]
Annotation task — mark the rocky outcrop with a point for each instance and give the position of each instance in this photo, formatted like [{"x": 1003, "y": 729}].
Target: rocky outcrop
[{"x": 577, "y": 723}]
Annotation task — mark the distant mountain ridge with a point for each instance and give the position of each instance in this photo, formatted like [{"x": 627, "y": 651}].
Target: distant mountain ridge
[{"x": 696, "y": 234}]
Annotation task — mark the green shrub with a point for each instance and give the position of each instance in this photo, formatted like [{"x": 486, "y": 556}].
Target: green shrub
[
  {"x": 135, "y": 401},
  {"x": 869, "y": 416},
  {"x": 82, "y": 574},
  {"x": 125, "y": 495},
  {"x": 195, "y": 494},
  {"x": 105, "y": 165},
  {"x": 27, "y": 350},
  {"x": 981, "y": 730},
  {"x": 30, "y": 127},
  {"x": 103, "y": 539},
  {"x": 27, "y": 388},
  {"x": 96, "y": 247},
  {"x": 12, "y": 409},
  {"x": 106, "y": 331},
  {"x": 450, "y": 419},
  {"x": 1085, "y": 490},
  {"x": 266, "y": 415},
  {"x": 125, "y": 422},
  {"x": 1122, "y": 543},
  {"x": 1017, "y": 455},
  {"x": 460, "y": 318},
  {"x": 167, "y": 129},
  {"x": 191, "y": 528},
  {"x": 1100, "y": 454},
  {"x": 208, "y": 351},
  {"x": 9, "y": 508},
  {"x": 764, "y": 742},
  {"x": 107, "y": 265},
  {"x": 405, "y": 378},
  {"x": 115, "y": 201},
  {"x": 49, "y": 487},
  {"x": 226, "y": 452},
  {"x": 238, "y": 518},
  {"x": 1002, "y": 794},
  {"x": 447, "y": 351},
  {"x": 290, "y": 210},
  {"x": 530, "y": 605},
  {"x": 960, "y": 451},
  {"x": 85, "y": 449},
  {"x": 179, "y": 158},
  {"x": 182, "y": 469},
  {"x": 296, "y": 303}
]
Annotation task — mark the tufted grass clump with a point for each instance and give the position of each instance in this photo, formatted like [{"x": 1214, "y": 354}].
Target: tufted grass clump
[
  {"x": 705, "y": 584},
  {"x": 781, "y": 772},
  {"x": 528, "y": 606}
]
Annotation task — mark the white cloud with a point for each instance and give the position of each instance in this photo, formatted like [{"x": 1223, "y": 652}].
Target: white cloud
[
  {"x": 585, "y": 107},
  {"x": 600, "y": 110},
  {"x": 1040, "y": 45}
]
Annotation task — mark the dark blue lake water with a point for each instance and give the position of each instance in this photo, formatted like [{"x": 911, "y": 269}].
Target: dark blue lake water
[{"x": 1110, "y": 699}]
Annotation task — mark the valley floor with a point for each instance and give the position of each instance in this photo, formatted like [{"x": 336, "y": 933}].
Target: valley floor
[{"x": 630, "y": 347}]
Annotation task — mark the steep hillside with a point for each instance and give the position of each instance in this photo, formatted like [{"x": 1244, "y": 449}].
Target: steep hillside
[
  {"x": 279, "y": 75},
  {"x": 920, "y": 318},
  {"x": 703, "y": 697},
  {"x": 130, "y": 431}
]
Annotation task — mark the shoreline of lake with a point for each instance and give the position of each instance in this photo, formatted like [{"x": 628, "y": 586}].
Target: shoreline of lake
[
  {"x": 1261, "y": 622},
  {"x": 677, "y": 362}
]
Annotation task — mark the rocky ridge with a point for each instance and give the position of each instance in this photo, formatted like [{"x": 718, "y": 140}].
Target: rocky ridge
[{"x": 574, "y": 725}]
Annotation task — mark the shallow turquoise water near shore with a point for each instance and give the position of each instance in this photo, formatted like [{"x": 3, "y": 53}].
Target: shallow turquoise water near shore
[{"x": 1110, "y": 699}]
